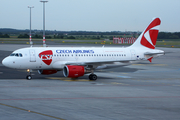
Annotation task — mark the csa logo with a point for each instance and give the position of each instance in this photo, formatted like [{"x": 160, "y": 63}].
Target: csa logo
[
  {"x": 150, "y": 34},
  {"x": 46, "y": 56}
]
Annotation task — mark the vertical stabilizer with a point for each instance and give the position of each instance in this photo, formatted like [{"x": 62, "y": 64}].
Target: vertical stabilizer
[{"x": 148, "y": 37}]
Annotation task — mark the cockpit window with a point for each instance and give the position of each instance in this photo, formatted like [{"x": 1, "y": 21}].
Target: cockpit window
[
  {"x": 20, "y": 55},
  {"x": 16, "y": 54},
  {"x": 12, "y": 54}
]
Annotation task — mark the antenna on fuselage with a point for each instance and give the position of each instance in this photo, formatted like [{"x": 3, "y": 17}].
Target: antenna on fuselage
[{"x": 30, "y": 42}]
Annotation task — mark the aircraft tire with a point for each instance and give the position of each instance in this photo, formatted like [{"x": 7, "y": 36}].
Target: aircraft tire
[
  {"x": 93, "y": 77},
  {"x": 28, "y": 77}
]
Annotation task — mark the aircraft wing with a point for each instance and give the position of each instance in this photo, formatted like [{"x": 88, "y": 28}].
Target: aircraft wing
[
  {"x": 95, "y": 62},
  {"x": 60, "y": 64}
]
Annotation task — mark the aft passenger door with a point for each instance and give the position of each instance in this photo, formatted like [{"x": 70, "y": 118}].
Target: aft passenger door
[
  {"x": 32, "y": 55},
  {"x": 133, "y": 54}
]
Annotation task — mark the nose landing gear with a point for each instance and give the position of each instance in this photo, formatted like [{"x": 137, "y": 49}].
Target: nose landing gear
[{"x": 29, "y": 77}]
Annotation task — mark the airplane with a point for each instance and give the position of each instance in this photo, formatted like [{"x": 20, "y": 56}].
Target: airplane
[{"x": 77, "y": 61}]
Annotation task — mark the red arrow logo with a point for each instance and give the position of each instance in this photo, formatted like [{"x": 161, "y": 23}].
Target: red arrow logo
[
  {"x": 46, "y": 56},
  {"x": 150, "y": 34}
]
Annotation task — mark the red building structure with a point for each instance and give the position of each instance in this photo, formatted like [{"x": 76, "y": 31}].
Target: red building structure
[{"x": 124, "y": 40}]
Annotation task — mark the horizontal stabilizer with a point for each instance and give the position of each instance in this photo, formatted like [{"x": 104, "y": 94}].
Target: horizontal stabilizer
[{"x": 151, "y": 54}]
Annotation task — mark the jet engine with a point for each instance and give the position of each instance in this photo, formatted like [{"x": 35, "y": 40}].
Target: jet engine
[
  {"x": 47, "y": 72},
  {"x": 74, "y": 71}
]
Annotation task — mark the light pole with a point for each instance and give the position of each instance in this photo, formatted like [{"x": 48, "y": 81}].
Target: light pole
[
  {"x": 44, "y": 39},
  {"x": 31, "y": 43}
]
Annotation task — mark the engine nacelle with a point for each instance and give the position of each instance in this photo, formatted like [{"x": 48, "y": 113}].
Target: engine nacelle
[
  {"x": 47, "y": 72},
  {"x": 73, "y": 71}
]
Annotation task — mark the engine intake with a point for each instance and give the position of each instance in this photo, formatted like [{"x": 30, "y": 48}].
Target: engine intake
[{"x": 74, "y": 71}]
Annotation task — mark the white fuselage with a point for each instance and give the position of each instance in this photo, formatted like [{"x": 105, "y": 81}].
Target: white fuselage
[{"x": 57, "y": 57}]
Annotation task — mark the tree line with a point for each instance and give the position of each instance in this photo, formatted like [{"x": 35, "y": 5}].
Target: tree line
[
  {"x": 169, "y": 35},
  {"x": 47, "y": 36},
  {"x": 161, "y": 35},
  {"x": 53, "y": 34},
  {"x": 4, "y": 35}
]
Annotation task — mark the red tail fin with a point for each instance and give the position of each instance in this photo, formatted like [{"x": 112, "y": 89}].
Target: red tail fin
[{"x": 149, "y": 36}]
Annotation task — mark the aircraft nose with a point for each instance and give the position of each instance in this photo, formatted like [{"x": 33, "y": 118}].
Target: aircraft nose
[{"x": 5, "y": 62}]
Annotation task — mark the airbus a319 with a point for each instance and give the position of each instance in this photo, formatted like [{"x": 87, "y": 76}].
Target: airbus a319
[{"x": 77, "y": 61}]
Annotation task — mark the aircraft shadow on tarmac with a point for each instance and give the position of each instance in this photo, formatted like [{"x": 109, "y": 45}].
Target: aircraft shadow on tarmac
[
  {"x": 8, "y": 73},
  {"x": 121, "y": 68}
]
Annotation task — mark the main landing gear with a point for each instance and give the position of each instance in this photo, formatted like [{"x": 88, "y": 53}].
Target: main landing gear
[
  {"x": 29, "y": 77},
  {"x": 93, "y": 77}
]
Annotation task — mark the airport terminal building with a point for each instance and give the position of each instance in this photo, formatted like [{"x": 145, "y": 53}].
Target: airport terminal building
[{"x": 124, "y": 40}]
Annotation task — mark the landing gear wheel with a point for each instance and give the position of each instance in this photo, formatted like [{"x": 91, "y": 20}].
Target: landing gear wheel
[
  {"x": 93, "y": 77},
  {"x": 28, "y": 77}
]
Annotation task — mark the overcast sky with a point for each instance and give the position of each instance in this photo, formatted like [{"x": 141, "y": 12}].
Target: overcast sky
[{"x": 91, "y": 15}]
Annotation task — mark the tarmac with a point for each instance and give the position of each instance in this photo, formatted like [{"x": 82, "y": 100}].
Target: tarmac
[{"x": 140, "y": 91}]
